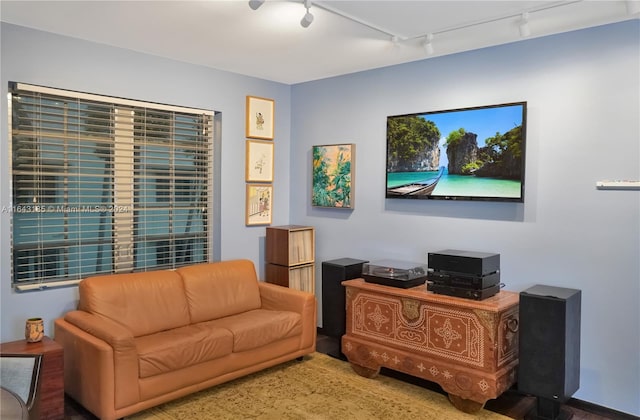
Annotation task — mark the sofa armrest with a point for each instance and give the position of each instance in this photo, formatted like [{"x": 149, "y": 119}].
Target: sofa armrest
[
  {"x": 122, "y": 375},
  {"x": 280, "y": 298},
  {"x": 105, "y": 329}
]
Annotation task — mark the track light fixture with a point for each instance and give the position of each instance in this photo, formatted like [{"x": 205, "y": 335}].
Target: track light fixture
[
  {"x": 255, "y": 4},
  {"x": 427, "y": 44},
  {"x": 633, "y": 8},
  {"x": 395, "y": 42},
  {"x": 308, "y": 17},
  {"x": 525, "y": 30}
]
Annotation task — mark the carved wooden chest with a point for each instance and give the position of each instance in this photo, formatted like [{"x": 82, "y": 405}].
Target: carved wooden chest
[{"x": 468, "y": 347}]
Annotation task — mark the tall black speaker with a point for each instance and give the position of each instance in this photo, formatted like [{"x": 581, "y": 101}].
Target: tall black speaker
[
  {"x": 549, "y": 366},
  {"x": 334, "y": 272}
]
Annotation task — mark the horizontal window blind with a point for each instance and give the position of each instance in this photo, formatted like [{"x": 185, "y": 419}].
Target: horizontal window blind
[{"x": 106, "y": 185}]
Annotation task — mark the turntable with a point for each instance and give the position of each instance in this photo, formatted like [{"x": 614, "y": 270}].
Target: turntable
[{"x": 394, "y": 273}]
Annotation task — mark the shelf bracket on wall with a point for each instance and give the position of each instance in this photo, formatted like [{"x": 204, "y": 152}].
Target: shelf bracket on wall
[{"x": 618, "y": 185}]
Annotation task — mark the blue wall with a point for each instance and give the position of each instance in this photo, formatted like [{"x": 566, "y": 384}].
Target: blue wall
[
  {"x": 44, "y": 59},
  {"x": 583, "y": 126},
  {"x": 582, "y": 90}
]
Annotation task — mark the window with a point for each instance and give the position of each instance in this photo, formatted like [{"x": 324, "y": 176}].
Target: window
[{"x": 106, "y": 185}]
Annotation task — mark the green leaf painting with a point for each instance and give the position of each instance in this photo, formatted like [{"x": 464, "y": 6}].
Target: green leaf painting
[{"x": 333, "y": 176}]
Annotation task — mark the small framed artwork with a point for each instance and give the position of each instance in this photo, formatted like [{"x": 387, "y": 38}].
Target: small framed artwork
[
  {"x": 260, "y": 113},
  {"x": 333, "y": 176},
  {"x": 259, "y": 165},
  {"x": 259, "y": 204}
]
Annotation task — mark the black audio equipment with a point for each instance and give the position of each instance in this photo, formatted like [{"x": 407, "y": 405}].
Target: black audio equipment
[
  {"x": 468, "y": 262},
  {"x": 395, "y": 273},
  {"x": 549, "y": 348},
  {"x": 449, "y": 278},
  {"x": 464, "y": 292},
  {"x": 334, "y": 272}
]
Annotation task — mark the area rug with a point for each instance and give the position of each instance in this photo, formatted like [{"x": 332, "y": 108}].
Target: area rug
[{"x": 318, "y": 388}]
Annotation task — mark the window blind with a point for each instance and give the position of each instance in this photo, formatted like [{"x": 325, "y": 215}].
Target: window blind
[{"x": 106, "y": 185}]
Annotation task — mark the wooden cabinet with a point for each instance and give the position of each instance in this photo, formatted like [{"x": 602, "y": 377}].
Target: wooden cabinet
[
  {"x": 468, "y": 347},
  {"x": 290, "y": 257},
  {"x": 51, "y": 398}
]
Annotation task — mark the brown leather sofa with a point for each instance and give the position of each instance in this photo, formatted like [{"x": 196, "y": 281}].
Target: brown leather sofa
[{"x": 138, "y": 340}]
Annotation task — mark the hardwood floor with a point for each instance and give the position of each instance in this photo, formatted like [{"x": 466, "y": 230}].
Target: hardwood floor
[{"x": 511, "y": 404}]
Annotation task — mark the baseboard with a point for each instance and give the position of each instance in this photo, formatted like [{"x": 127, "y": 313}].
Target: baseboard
[{"x": 599, "y": 410}]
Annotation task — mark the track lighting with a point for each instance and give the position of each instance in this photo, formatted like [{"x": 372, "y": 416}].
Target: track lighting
[
  {"x": 306, "y": 20},
  {"x": 525, "y": 30},
  {"x": 427, "y": 44},
  {"x": 255, "y": 4},
  {"x": 308, "y": 17},
  {"x": 395, "y": 42}
]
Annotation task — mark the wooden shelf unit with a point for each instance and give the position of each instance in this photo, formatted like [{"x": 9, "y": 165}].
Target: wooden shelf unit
[{"x": 290, "y": 257}]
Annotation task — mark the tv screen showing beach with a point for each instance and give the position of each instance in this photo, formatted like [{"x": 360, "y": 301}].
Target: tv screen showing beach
[{"x": 462, "y": 154}]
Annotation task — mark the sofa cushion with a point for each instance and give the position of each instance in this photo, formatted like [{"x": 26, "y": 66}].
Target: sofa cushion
[
  {"x": 144, "y": 303},
  {"x": 181, "y": 347},
  {"x": 259, "y": 327},
  {"x": 216, "y": 290}
]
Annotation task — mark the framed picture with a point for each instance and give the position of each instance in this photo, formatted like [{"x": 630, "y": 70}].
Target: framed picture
[
  {"x": 260, "y": 113},
  {"x": 333, "y": 176},
  {"x": 259, "y": 165},
  {"x": 259, "y": 204}
]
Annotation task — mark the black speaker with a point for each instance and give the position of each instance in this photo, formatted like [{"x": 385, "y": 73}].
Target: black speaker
[
  {"x": 334, "y": 272},
  {"x": 549, "y": 366}
]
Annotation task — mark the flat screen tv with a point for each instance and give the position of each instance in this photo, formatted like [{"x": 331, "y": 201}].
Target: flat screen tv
[{"x": 459, "y": 154}]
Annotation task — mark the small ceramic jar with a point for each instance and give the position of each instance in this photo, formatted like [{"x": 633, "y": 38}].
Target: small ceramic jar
[{"x": 34, "y": 330}]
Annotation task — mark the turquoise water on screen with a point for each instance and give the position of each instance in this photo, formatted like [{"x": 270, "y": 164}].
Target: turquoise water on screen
[{"x": 461, "y": 185}]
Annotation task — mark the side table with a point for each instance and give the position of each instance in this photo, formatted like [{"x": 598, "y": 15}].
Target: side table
[{"x": 51, "y": 399}]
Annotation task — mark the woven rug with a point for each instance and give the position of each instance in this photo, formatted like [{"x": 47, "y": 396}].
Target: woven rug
[{"x": 319, "y": 388}]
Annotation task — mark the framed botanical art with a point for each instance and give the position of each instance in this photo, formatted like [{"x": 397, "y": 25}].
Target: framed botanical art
[
  {"x": 259, "y": 120},
  {"x": 259, "y": 161},
  {"x": 333, "y": 176},
  {"x": 259, "y": 204}
]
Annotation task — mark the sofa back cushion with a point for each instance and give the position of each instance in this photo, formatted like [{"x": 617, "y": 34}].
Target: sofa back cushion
[
  {"x": 216, "y": 290},
  {"x": 145, "y": 303}
]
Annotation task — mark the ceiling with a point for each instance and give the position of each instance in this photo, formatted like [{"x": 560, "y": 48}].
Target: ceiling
[{"x": 344, "y": 37}]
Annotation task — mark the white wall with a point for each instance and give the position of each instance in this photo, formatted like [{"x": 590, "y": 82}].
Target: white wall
[
  {"x": 44, "y": 59},
  {"x": 582, "y": 90}
]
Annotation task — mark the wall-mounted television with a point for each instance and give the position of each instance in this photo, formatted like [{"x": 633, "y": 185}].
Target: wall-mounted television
[{"x": 473, "y": 153}]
